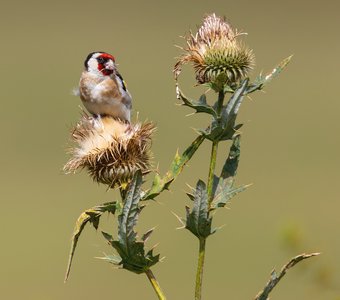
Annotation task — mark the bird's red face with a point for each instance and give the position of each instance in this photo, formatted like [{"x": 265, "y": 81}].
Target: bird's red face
[
  {"x": 101, "y": 63},
  {"x": 106, "y": 64}
]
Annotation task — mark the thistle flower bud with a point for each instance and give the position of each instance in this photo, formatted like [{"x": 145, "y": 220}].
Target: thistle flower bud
[
  {"x": 111, "y": 151},
  {"x": 216, "y": 54}
]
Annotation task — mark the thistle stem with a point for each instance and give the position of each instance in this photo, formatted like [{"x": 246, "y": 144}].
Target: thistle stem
[
  {"x": 200, "y": 266},
  {"x": 212, "y": 165},
  {"x": 155, "y": 284},
  {"x": 220, "y": 100},
  {"x": 212, "y": 171}
]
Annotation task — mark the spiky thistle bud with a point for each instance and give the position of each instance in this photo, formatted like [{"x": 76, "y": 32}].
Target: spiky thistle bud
[
  {"x": 216, "y": 54},
  {"x": 111, "y": 151}
]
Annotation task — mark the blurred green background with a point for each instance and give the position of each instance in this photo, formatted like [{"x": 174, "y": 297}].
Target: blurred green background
[{"x": 290, "y": 148}]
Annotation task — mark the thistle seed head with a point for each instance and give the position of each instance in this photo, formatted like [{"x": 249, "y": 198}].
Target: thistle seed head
[
  {"x": 216, "y": 54},
  {"x": 111, "y": 151}
]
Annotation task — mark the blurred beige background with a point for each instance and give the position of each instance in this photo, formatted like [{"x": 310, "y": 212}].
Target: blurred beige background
[{"x": 290, "y": 149}]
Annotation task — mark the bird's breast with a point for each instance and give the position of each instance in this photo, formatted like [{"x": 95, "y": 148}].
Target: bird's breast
[{"x": 105, "y": 97}]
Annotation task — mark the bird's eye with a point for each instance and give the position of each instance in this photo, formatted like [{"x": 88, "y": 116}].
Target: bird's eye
[{"x": 101, "y": 60}]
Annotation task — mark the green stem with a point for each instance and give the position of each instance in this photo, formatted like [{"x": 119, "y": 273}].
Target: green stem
[
  {"x": 200, "y": 265},
  {"x": 210, "y": 185},
  {"x": 155, "y": 284},
  {"x": 212, "y": 171},
  {"x": 220, "y": 100},
  {"x": 214, "y": 148}
]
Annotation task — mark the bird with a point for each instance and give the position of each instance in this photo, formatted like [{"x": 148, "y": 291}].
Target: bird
[{"x": 102, "y": 88}]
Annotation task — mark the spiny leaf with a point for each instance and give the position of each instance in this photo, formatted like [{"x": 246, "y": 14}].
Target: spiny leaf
[
  {"x": 212, "y": 133},
  {"x": 276, "y": 277},
  {"x": 228, "y": 89},
  {"x": 230, "y": 133},
  {"x": 224, "y": 127},
  {"x": 201, "y": 106},
  {"x": 91, "y": 215},
  {"x": 230, "y": 111},
  {"x": 135, "y": 260},
  {"x": 230, "y": 166},
  {"x": 198, "y": 220},
  {"x": 146, "y": 235},
  {"x": 107, "y": 236},
  {"x": 261, "y": 80},
  {"x": 223, "y": 186},
  {"x": 131, "y": 251},
  {"x": 128, "y": 218},
  {"x": 223, "y": 194},
  {"x": 160, "y": 184},
  {"x": 112, "y": 259}
]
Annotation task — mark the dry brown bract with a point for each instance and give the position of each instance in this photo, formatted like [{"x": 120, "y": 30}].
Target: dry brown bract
[{"x": 110, "y": 150}]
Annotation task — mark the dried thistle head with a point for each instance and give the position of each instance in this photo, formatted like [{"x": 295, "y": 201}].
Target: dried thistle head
[
  {"x": 111, "y": 151},
  {"x": 216, "y": 54}
]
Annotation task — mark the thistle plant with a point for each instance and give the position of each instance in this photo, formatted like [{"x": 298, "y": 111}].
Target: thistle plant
[{"x": 118, "y": 155}]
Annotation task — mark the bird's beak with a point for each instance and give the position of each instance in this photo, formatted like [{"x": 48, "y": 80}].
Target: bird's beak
[{"x": 110, "y": 65}]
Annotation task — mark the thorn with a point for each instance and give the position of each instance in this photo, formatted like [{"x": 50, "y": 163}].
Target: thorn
[
  {"x": 177, "y": 46},
  {"x": 220, "y": 227},
  {"x": 190, "y": 187},
  {"x": 196, "y": 130},
  {"x": 180, "y": 220},
  {"x": 250, "y": 98},
  {"x": 238, "y": 132},
  {"x": 154, "y": 246}
]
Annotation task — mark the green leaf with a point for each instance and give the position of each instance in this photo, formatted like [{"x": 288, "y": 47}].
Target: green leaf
[
  {"x": 229, "y": 169},
  {"x": 201, "y": 106},
  {"x": 198, "y": 220},
  {"x": 261, "y": 80},
  {"x": 223, "y": 187},
  {"x": 228, "y": 89},
  {"x": 230, "y": 134},
  {"x": 224, "y": 128},
  {"x": 92, "y": 216},
  {"x": 128, "y": 218},
  {"x": 160, "y": 184},
  {"x": 224, "y": 194},
  {"x": 112, "y": 259},
  {"x": 212, "y": 133},
  {"x": 131, "y": 251},
  {"x": 230, "y": 111}
]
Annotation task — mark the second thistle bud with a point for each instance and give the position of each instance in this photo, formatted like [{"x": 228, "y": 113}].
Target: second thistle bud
[{"x": 217, "y": 56}]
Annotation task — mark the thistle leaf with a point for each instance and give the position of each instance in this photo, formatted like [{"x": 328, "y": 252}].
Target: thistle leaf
[
  {"x": 223, "y": 194},
  {"x": 261, "y": 80},
  {"x": 224, "y": 128},
  {"x": 223, "y": 187},
  {"x": 112, "y": 259},
  {"x": 198, "y": 220},
  {"x": 160, "y": 184},
  {"x": 201, "y": 106},
  {"x": 128, "y": 218},
  {"x": 230, "y": 111},
  {"x": 146, "y": 235},
  {"x": 212, "y": 133},
  {"x": 229, "y": 169},
  {"x": 276, "y": 277},
  {"x": 131, "y": 251},
  {"x": 92, "y": 216}
]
